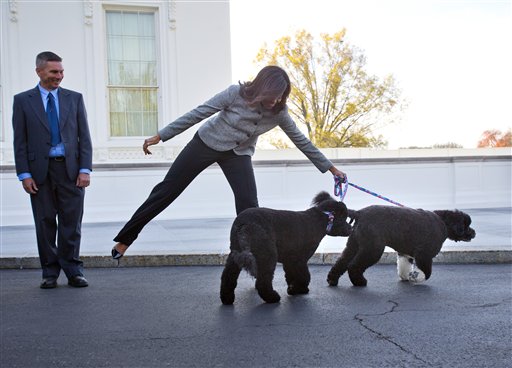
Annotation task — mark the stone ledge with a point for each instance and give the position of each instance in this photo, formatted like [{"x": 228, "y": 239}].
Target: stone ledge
[
  {"x": 293, "y": 157},
  {"x": 447, "y": 257}
]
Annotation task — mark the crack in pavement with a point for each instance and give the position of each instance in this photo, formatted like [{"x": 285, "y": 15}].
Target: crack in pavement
[
  {"x": 360, "y": 319},
  {"x": 492, "y": 305}
]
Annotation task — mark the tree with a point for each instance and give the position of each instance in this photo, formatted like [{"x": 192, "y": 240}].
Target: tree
[
  {"x": 332, "y": 95},
  {"x": 495, "y": 138},
  {"x": 447, "y": 145}
]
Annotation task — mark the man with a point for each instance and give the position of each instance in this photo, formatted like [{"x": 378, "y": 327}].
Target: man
[{"x": 53, "y": 156}]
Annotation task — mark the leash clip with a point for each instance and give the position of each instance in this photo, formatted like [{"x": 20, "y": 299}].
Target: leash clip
[{"x": 339, "y": 189}]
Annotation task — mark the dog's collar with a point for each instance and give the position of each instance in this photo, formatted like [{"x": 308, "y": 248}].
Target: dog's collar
[{"x": 331, "y": 221}]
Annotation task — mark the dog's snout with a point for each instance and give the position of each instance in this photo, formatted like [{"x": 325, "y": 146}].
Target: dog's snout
[{"x": 468, "y": 235}]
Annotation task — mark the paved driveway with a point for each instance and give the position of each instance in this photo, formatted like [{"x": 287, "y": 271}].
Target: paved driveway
[{"x": 172, "y": 317}]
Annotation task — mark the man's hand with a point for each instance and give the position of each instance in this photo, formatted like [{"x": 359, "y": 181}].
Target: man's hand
[
  {"x": 83, "y": 180},
  {"x": 149, "y": 142},
  {"x": 29, "y": 185}
]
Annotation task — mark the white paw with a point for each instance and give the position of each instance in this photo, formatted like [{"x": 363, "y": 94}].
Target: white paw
[
  {"x": 416, "y": 276},
  {"x": 405, "y": 266}
]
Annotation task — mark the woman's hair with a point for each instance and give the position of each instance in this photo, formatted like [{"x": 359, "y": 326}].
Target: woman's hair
[{"x": 271, "y": 83}]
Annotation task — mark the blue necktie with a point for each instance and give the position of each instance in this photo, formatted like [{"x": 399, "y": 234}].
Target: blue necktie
[{"x": 53, "y": 119}]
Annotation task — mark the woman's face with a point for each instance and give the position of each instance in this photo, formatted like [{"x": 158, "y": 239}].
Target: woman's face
[{"x": 269, "y": 103}]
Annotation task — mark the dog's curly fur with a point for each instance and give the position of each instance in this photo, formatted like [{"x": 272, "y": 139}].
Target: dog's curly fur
[
  {"x": 261, "y": 237},
  {"x": 416, "y": 234}
]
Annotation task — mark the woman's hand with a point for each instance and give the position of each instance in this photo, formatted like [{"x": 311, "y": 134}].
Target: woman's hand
[
  {"x": 150, "y": 142},
  {"x": 338, "y": 173}
]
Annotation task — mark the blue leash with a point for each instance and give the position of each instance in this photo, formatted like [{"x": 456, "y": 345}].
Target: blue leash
[{"x": 341, "y": 190}]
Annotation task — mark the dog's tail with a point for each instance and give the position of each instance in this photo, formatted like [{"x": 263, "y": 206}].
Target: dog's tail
[{"x": 245, "y": 259}]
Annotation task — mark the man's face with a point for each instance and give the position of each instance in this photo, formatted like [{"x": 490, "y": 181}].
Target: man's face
[{"x": 51, "y": 74}]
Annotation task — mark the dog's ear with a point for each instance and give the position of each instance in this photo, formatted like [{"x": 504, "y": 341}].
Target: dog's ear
[
  {"x": 341, "y": 209},
  {"x": 341, "y": 227},
  {"x": 467, "y": 220},
  {"x": 320, "y": 197}
]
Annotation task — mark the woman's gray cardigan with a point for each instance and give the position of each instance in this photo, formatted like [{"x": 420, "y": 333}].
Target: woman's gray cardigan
[{"x": 237, "y": 126}]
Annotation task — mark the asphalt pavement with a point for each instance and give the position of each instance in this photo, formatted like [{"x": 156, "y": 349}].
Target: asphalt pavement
[
  {"x": 173, "y": 317},
  {"x": 158, "y": 316}
]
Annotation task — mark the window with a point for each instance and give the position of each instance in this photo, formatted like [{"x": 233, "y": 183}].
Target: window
[{"x": 132, "y": 73}]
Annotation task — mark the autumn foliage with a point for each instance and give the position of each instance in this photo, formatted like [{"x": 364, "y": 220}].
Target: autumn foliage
[
  {"x": 495, "y": 138},
  {"x": 333, "y": 97}
]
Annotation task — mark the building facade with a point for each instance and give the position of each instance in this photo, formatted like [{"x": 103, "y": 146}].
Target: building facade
[{"x": 139, "y": 65}]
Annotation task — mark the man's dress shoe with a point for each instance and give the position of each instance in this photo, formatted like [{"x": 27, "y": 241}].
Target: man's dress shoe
[
  {"x": 48, "y": 283},
  {"x": 78, "y": 281}
]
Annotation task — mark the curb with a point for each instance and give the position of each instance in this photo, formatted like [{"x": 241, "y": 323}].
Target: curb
[{"x": 446, "y": 257}]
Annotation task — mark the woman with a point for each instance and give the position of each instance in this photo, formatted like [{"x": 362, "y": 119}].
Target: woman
[{"x": 245, "y": 111}]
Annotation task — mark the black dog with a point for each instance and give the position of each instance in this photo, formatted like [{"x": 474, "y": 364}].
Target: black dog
[
  {"x": 261, "y": 237},
  {"x": 416, "y": 235}
]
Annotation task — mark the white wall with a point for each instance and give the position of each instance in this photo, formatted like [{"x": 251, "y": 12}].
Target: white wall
[
  {"x": 195, "y": 63},
  {"x": 194, "y": 56},
  {"x": 469, "y": 179}
]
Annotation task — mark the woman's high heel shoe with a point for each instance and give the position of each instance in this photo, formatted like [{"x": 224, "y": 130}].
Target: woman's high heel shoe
[{"x": 115, "y": 254}]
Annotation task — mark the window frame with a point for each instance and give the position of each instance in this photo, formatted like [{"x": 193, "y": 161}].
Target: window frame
[{"x": 155, "y": 11}]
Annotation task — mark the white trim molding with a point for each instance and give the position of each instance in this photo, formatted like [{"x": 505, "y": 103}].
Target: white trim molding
[
  {"x": 88, "y": 12},
  {"x": 171, "y": 13},
  {"x": 13, "y": 9}
]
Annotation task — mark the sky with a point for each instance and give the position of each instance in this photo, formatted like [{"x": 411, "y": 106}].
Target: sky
[{"x": 452, "y": 59}]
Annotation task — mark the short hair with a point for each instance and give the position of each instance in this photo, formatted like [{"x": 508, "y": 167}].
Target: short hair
[
  {"x": 271, "y": 82},
  {"x": 45, "y": 56}
]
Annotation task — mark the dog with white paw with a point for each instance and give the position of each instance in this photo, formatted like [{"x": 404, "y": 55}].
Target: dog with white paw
[
  {"x": 417, "y": 235},
  {"x": 407, "y": 270}
]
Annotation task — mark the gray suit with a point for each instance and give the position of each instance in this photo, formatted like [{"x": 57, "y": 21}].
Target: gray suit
[{"x": 58, "y": 195}]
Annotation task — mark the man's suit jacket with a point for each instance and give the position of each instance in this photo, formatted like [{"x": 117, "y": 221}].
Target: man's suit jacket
[{"x": 32, "y": 133}]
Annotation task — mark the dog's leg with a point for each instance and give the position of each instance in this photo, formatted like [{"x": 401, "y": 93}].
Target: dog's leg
[
  {"x": 341, "y": 264},
  {"x": 229, "y": 280},
  {"x": 404, "y": 265},
  {"x": 266, "y": 265},
  {"x": 366, "y": 257},
  {"x": 297, "y": 276},
  {"x": 424, "y": 264},
  {"x": 289, "y": 272}
]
